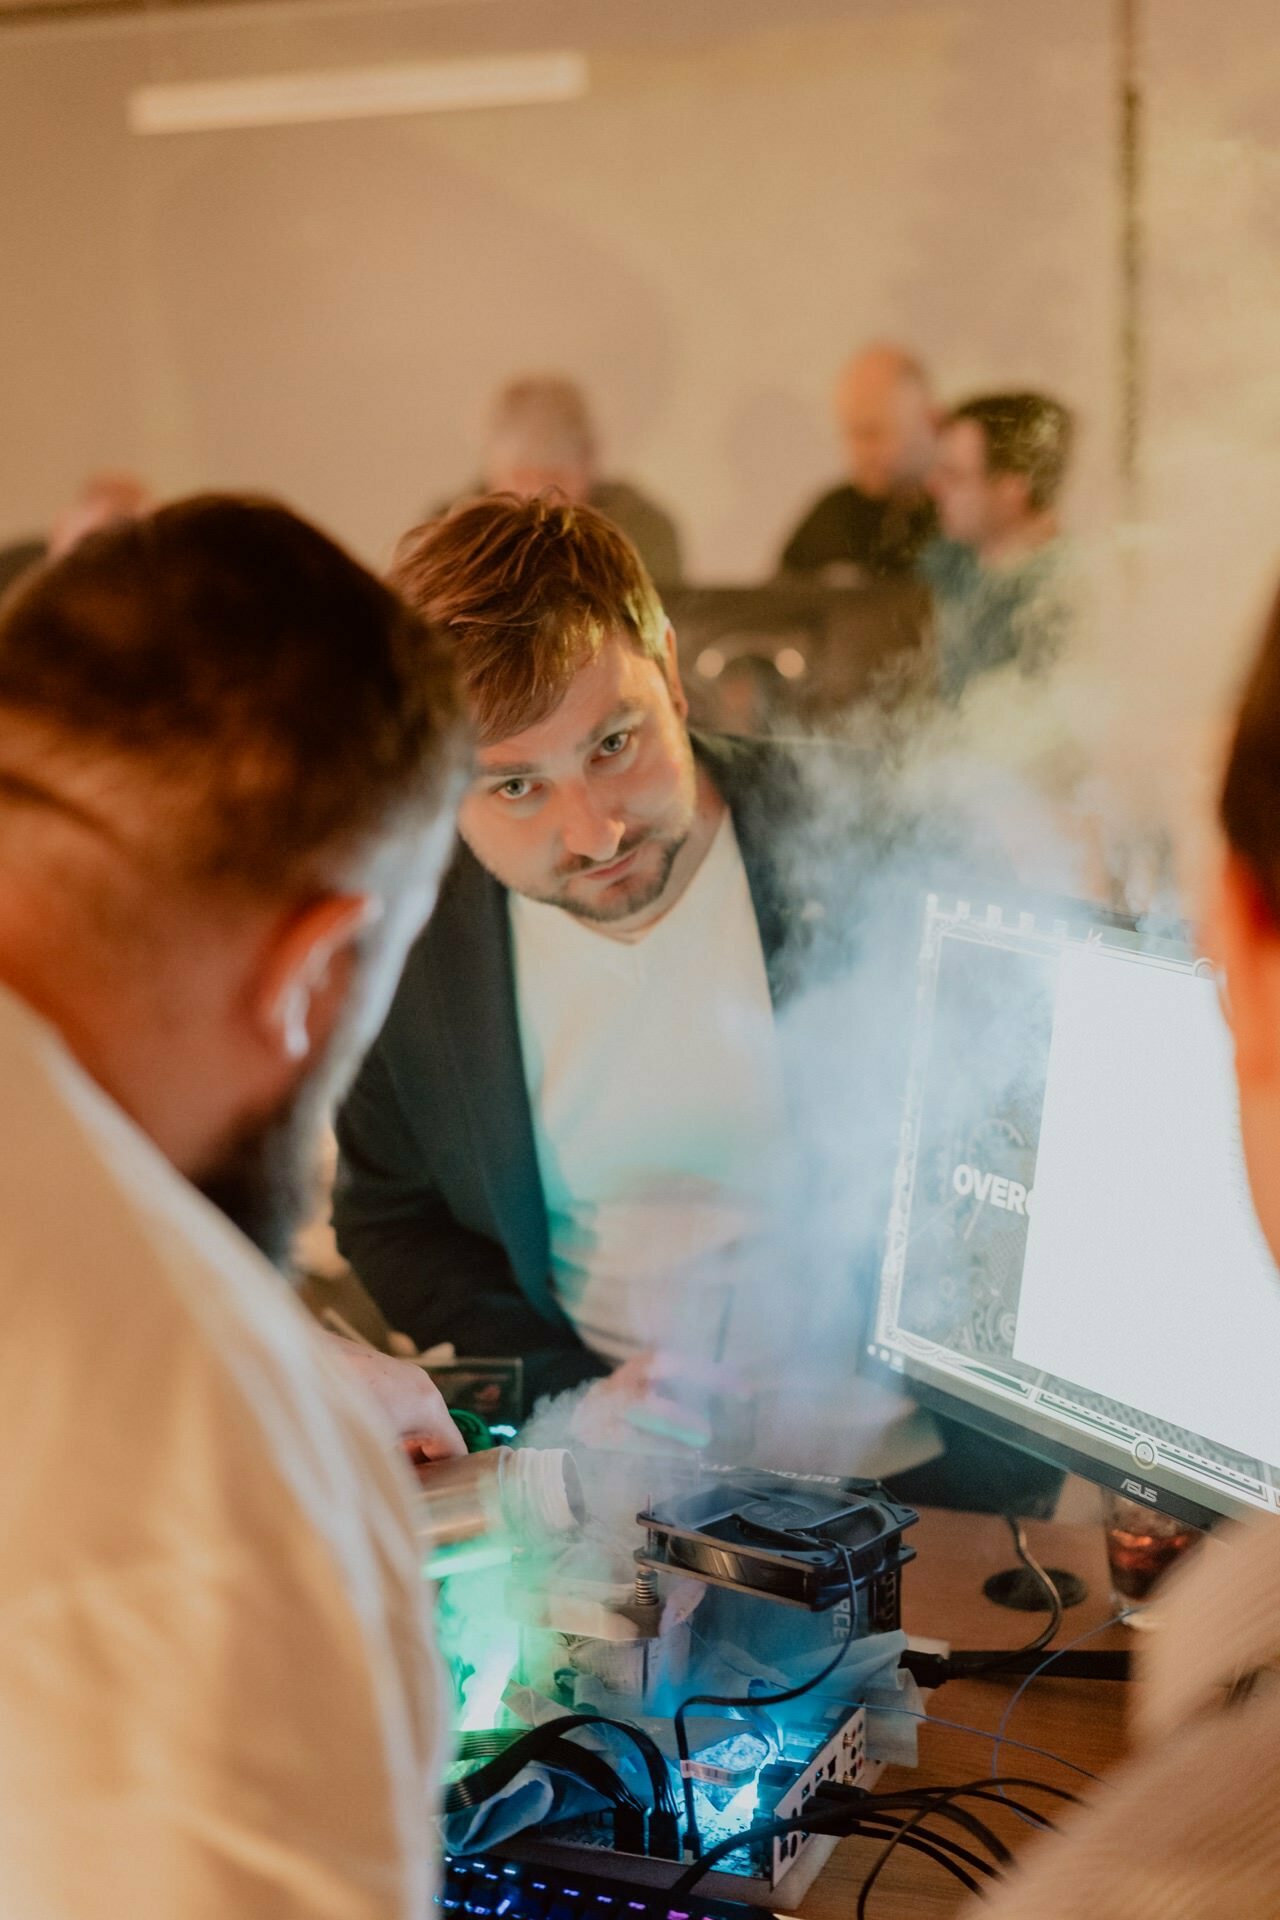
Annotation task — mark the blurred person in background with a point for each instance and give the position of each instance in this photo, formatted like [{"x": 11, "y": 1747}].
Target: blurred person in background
[
  {"x": 103, "y": 499},
  {"x": 999, "y": 576},
  {"x": 541, "y": 439},
  {"x": 227, "y": 774},
  {"x": 1190, "y": 1824},
  {"x": 876, "y": 523}
]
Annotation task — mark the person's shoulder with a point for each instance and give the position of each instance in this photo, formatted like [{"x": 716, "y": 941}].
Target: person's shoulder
[
  {"x": 616, "y": 497},
  {"x": 646, "y": 524},
  {"x": 470, "y": 906},
  {"x": 832, "y": 506},
  {"x": 138, "y": 1310},
  {"x": 945, "y": 566},
  {"x": 834, "y": 502},
  {"x": 828, "y": 531}
]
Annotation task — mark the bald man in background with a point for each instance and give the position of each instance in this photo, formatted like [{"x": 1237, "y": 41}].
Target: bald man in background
[
  {"x": 874, "y": 526},
  {"x": 101, "y": 500}
]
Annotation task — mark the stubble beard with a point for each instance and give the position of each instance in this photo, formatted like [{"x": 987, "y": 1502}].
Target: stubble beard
[
  {"x": 262, "y": 1179},
  {"x": 629, "y": 895}
]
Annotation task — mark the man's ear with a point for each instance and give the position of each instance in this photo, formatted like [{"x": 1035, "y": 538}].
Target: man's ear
[
  {"x": 671, "y": 669},
  {"x": 305, "y": 972},
  {"x": 1244, "y": 940}
]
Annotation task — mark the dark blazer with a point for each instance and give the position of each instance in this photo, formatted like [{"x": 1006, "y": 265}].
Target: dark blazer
[{"x": 438, "y": 1203}]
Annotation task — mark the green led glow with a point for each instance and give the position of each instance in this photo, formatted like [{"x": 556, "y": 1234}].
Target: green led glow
[
  {"x": 467, "y": 1556},
  {"x": 480, "y": 1644},
  {"x": 482, "y": 1693}
]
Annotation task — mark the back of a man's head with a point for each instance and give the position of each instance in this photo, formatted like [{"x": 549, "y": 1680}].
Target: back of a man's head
[
  {"x": 225, "y": 694},
  {"x": 1027, "y": 434},
  {"x": 528, "y": 590},
  {"x": 1250, "y": 803}
]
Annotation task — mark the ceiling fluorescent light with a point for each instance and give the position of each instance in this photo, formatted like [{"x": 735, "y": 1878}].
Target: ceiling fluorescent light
[{"x": 358, "y": 93}]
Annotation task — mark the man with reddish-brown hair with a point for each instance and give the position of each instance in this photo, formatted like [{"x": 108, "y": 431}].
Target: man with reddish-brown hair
[
  {"x": 568, "y": 1142},
  {"x": 551, "y": 1136}
]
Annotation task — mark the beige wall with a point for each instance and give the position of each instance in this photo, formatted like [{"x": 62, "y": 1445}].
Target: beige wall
[{"x": 321, "y": 311}]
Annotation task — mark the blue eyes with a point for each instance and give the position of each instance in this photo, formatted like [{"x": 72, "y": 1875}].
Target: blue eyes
[{"x": 615, "y": 743}]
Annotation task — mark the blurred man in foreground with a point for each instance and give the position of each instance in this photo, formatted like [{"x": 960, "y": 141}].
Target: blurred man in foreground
[
  {"x": 875, "y": 525},
  {"x": 541, "y": 439},
  {"x": 226, "y": 774},
  {"x": 1191, "y": 1824},
  {"x": 999, "y": 576}
]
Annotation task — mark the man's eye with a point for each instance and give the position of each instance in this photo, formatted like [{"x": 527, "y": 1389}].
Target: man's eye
[
  {"x": 514, "y": 790},
  {"x": 615, "y": 743}
]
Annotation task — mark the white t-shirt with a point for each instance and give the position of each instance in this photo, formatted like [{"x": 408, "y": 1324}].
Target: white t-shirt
[
  {"x": 654, "y": 1081},
  {"x": 217, "y": 1693}
]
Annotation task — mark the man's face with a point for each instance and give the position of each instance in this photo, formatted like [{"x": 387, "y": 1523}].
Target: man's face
[
  {"x": 886, "y": 426},
  {"x": 962, "y": 486},
  {"x": 588, "y": 808}
]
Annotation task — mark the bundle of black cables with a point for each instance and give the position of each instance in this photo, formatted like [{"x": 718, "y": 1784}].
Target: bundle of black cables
[
  {"x": 693, "y": 1839},
  {"x": 550, "y": 1744},
  {"x": 901, "y": 1820}
]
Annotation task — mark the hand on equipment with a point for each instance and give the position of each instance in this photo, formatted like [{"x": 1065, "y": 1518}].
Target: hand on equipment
[{"x": 408, "y": 1398}]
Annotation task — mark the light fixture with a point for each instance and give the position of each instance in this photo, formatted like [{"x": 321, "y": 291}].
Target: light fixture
[{"x": 358, "y": 93}]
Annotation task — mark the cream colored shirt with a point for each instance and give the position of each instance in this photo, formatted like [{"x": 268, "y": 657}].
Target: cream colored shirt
[
  {"x": 1189, "y": 1827},
  {"x": 217, "y": 1694}
]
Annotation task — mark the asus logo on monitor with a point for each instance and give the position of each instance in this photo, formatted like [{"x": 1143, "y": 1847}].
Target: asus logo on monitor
[{"x": 1138, "y": 1491}]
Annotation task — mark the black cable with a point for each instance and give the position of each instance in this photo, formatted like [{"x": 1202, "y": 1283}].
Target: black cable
[
  {"x": 692, "y": 1837},
  {"x": 912, "y": 1799},
  {"x": 846, "y": 1828},
  {"x": 843, "y": 1826},
  {"x": 932, "y": 1799},
  {"x": 977, "y": 1829},
  {"x": 595, "y": 1772},
  {"x": 882, "y": 1860},
  {"x": 483, "y": 1782},
  {"x": 651, "y": 1753},
  {"x": 870, "y": 1806},
  {"x": 874, "y": 1828},
  {"x": 1046, "y": 1581},
  {"x": 942, "y": 1852},
  {"x": 932, "y": 1670}
]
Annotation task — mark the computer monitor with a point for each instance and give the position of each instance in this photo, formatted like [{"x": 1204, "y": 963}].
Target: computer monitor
[{"x": 1072, "y": 1259}]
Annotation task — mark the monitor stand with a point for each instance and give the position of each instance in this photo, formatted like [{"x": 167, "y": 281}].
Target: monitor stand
[{"x": 1017, "y": 1587}]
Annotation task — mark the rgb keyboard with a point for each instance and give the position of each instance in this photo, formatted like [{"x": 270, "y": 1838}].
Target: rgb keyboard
[{"x": 486, "y": 1887}]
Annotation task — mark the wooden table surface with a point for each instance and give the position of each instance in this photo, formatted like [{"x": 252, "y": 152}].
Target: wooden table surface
[{"x": 1081, "y": 1720}]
